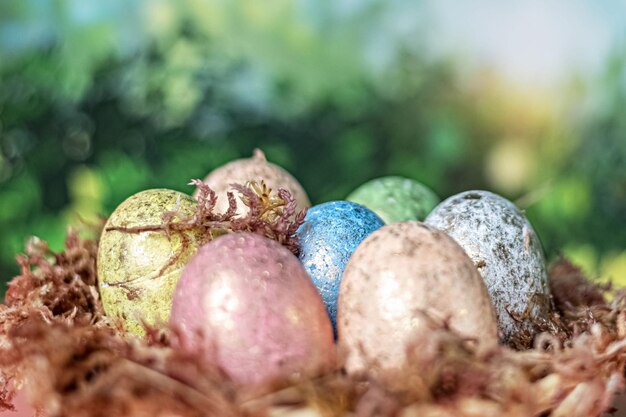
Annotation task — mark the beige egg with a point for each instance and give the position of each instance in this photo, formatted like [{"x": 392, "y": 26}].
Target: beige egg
[
  {"x": 256, "y": 169},
  {"x": 138, "y": 271},
  {"x": 397, "y": 280}
]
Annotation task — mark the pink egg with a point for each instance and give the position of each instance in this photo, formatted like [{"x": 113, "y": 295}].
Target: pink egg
[
  {"x": 260, "y": 316},
  {"x": 22, "y": 407}
]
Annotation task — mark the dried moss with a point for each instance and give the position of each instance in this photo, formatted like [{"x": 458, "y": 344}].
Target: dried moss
[
  {"x": 76, "y": 362},
  {"x": 270, "y": 213}
]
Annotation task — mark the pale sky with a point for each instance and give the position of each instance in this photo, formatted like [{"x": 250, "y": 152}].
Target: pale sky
[{"x": 529, "y": 41}]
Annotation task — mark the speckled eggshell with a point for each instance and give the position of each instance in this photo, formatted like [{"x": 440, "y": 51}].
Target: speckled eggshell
[
  {"x": 328, "y": 237},
  {"x": 506, "y": 251},
  {"x": 22, "y": 404},
  {"x": 399, "y": 276},
  {"x": 261, "y": 318},
  {"x": 256, "y": 168},
  {"x": 395, "y": 199},
  {"x": 135, "y": 277}
]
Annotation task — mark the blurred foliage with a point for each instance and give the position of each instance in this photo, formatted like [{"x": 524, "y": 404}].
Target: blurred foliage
[{"x": 99, "y": 100}]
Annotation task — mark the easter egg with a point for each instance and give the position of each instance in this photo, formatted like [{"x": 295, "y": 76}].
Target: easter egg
[
  {"x": 401, "y": 278},
  {"x": 257, "y": 168},
  {"x": 260, "y": 318},
  {"x": 330, "y": 233},
  {"x": 138, "y": 270},
  {"x": 506, "y": 251},
  {"x": 22, "y": 406},
  {"x": 395, "y": 199}
]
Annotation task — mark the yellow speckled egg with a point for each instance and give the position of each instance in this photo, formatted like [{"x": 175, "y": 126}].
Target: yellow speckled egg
[
  {"x": 138, "y": 270},
  {"x": 256, "y": 168}
]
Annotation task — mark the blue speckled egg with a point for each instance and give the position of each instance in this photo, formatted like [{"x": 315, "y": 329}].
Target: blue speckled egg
[{"x": 330, "y": 233}]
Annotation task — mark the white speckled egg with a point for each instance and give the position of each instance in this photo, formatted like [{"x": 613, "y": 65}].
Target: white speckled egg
[
  {"x": 506, "y": 251},
  {"x": 398, "y": 277}
]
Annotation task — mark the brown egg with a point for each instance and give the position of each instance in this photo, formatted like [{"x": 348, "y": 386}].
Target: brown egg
[
  {"x": 256, "y": 168},
  {"x": 398, "y": 278}
]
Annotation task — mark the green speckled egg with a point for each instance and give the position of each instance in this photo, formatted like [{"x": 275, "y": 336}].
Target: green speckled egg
[
  {"x": 396, "y": 199},
  {"x": 138, "y": 271}
]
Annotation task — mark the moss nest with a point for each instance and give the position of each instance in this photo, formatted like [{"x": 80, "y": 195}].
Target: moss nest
[{"x": 70, "y": 359}]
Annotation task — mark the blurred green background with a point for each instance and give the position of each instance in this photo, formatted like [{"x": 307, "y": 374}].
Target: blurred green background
[{"x": 101, "y": 99}]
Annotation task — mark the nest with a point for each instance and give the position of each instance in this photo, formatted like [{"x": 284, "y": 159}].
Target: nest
[{"x": 58, "y": 346}]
